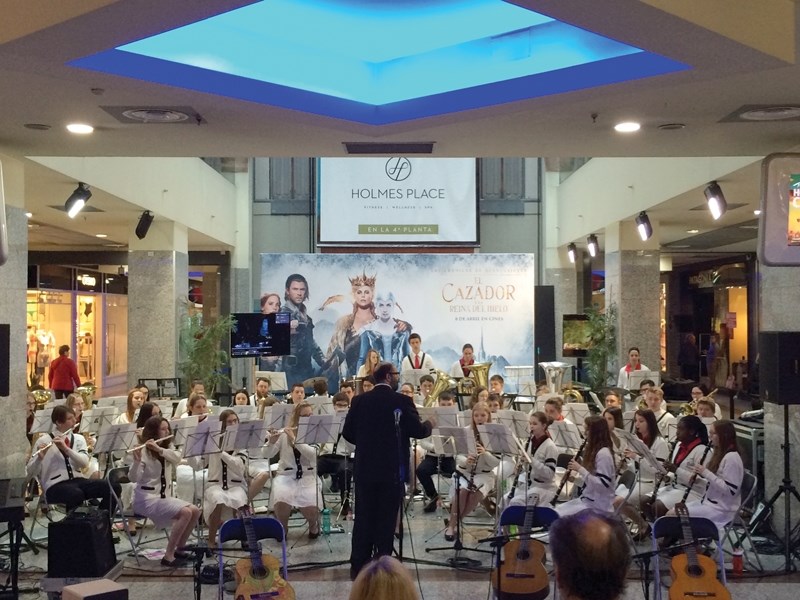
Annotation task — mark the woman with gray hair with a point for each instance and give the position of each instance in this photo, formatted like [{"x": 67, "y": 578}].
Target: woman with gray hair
[{"x": 386, "y": 335}]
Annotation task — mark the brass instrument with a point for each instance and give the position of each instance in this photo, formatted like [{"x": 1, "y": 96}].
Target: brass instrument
[
  {"x": 690, "y": 408},
  {"x": 443, "y": 383},
  {"x": 572, "y": 395},
  {"x": 554, "y": 375},
  {"x": 262, "y": 403},
  {"x": 567, "y": 473},
  {"x": 42, "y": 397},
  {"x": 86, "y": 392},
  {"x": 641, "y": 403}
]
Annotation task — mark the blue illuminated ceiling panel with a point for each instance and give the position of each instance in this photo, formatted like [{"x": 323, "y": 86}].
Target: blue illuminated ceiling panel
[{"x": 380, "y": 62}]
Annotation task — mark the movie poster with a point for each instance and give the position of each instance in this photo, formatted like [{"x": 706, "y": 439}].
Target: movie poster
[{"x": 344, "y": 304}]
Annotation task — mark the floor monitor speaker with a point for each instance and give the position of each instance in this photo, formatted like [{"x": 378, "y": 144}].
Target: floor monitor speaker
[
  {"x": 779, "y": 366},
  {"x": 80, "y": 545}
]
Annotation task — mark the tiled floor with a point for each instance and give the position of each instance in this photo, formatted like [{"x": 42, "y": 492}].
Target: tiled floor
[{"x": 312, "y": 579}]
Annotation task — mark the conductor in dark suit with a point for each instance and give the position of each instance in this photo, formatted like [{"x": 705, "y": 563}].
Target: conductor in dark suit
[{"x": 379, "y": 423}]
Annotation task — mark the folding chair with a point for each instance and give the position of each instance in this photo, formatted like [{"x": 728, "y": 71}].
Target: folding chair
[
  {"x": 265, "y": 528},
  {"x": 739, "y": 526},
  {"x": 670, "y": 527},
  {"x": 44, "y": 506}
]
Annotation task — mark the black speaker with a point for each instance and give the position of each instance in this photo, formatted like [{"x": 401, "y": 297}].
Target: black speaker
[
  {"x": 80, "y": 545},
  {"x": 144, "y": 224},
  {"x": 544, "y": 323},
  {"x": 779, "y": 366},
  {"x": 5, "y": 358}
]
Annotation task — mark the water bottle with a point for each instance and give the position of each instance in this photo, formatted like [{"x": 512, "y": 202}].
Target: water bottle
[
  {"x": 738, "y": 561},
  {"x": 326, "y": 521}
]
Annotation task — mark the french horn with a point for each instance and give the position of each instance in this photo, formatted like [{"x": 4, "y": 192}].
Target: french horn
[{"x": 442, "y": 384}]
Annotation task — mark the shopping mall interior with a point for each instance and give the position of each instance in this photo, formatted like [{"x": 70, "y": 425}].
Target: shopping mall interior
[{"x": 578, "y": 120}]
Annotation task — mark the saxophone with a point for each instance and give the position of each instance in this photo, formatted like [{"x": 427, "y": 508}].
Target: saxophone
[{"x": 567, "y": 473}]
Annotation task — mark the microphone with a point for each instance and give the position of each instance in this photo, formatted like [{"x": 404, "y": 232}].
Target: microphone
[{"x": 397, "y": 413}]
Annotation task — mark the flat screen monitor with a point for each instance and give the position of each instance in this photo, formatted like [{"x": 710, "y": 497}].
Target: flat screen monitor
[
  {"x": 575, "y": 335},
  {"x": 255, "y": 334}
]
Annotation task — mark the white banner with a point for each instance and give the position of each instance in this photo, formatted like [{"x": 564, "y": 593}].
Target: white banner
[
  {"x": 397, "y": 200},
  {"x": 449, "y": 299}
]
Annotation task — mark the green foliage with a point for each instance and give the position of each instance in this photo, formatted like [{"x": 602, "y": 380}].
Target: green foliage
[
  {"x": 602, "y": 346},
  {"x": 200, "y": 353}
]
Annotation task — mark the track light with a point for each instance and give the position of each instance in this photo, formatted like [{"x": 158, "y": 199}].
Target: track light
[
  {"x": 643, "y": 226},
  {"x": 77, "y": 200},
  {"x": 144, "y": 224},
  {"x": 716, "y": 200},
  {"x": 572, "y": 252},
  {"x": 591, "y": 243}
]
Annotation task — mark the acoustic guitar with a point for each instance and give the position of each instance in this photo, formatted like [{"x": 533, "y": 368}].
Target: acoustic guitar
[
  {"x": 694, "y": 575},
  {"x": 522, "y": 575},
  {"x": 258, "y": 577}
]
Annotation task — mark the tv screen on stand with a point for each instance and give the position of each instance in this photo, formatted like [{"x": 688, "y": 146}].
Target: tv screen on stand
[
  {"x": 575, "y": 335},
  {"x": 255, "y": 334}
]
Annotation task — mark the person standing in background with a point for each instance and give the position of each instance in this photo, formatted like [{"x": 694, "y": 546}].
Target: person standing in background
[
  {"x": 689, "y": 358},
  {"x": 63, "y": 376}
]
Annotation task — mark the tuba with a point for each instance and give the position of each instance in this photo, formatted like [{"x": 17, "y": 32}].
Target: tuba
[
  {"x": 554, "y": 375},
  {"x": 442, "y": 384},
  {"x": 572, "y": 395},
  {"x": 479, "y": 373},
  {"x": 87, "y": 391}
]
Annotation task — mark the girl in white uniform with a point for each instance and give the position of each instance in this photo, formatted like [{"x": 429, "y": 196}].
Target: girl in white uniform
[
  {"x": 226, "y": 486},
  {"x": 295, "y": 483},
  {"x": 474, "y": 472},
  {"x": 152, "y": 472},
  {"x": 692, "y": 448},
  {"x": 190, "y": 478},
  {"x": 723, "y": 475},
  {"x": 596, "y": 468},
  {"x": 135, "y": 401},
  {"x": 536, "y": 484},
  {"x": 646, "y": 429}
]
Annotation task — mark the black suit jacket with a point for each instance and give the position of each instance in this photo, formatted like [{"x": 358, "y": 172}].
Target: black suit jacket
[{"x": 370, "y": 426}]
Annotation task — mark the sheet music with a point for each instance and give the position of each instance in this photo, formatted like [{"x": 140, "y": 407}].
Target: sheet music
[
  {"x": 42, "y": 421},
  {"x": 465, "y": 417},
  {"x": 412, "y": 376},
  {"x": 277, "y": 415},
  {"x": 463, "y": 439},
  {"x": 94, "y": 419},
  {"x": 565, "y": 435},
  {"x": 180, "y": 427},
  {"x": 498, "y": 438},
  {"x": 321, "y": 405},
  {"x": 443, "y": 445},
  {"x": 318, "y": 429},
  {"x": 204, "y": 438},
  {"x": 640, "y": 448},
  {"x": 515, "y": 420},
  {"x": 246, "y": 435},
  {"x": 576, "y": 411},
  {"x": 445, "y": 416},
  {"x": 115, "y": 437},
  {"x": 245, "y": 412}
]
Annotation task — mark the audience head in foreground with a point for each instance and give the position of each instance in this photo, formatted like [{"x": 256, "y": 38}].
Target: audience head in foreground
[
  {"x": 591, "y": 556},
  {"x": 384, "y": 578}
]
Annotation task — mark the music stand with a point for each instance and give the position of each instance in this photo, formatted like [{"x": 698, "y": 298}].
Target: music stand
[
  {"x": 180, "y": 427},
  {"x": 464, "y": 443},
  {"x": 277, "y": 415},
  {"x": 114, "y": 437},
  {"x": 566, "y": 435},
  {"x": 527, "y": 387},
  {"x": 94, "y": 419},
  {"x": 165, "y": 405},
  {"x": 277, "y": 380},
  {"x": 412, "y": 376},
  {"x": 42, "y": 421},
  {"x": 464, "y": 417},
  {"x": 500, "y": 439},
  {"x": 577, "y": 411},
  {"x": 245, "y": 435},
  {"x": 245, "y": 412},
  {"x": 444, "y": 416},
  {"x": 628, "y": 420},
  {"x": 321, "y": 405},
  {"x": 515, "y": 420},
  {"x": 203, "y": 438}
]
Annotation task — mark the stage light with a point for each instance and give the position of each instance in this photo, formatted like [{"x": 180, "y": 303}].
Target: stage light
[
  {"x": 572, "y": 252},
  {"x": 591, "y": 243},
  {"x": 643, "y": 226},
  {"x": 77, "y": 200},
  {"x": 144, "y": 224},
  {"x": 716, "y": 200}
]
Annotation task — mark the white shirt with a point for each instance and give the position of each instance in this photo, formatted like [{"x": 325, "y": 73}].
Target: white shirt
[
  {"x": 426, "y": 362},
  {"x": 52, "y": 468}
]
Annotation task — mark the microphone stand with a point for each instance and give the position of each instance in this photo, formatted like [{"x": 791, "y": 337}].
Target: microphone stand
[{"x": 401, "y": 476}]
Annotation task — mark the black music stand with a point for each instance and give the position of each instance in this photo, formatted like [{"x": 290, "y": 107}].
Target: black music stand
[{"x": 464, "y": 443}]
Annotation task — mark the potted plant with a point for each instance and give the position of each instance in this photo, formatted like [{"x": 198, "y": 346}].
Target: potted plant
[
  {"x": 201, "y": 353},
  {"x": 602, "y": 346}
]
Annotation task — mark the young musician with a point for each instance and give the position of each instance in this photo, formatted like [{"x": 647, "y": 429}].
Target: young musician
[
  {"x": 198, "y": 387},
  {"x": 262, "y": 393},
  {"x": 536, "y": 483},
  {"x": 706, "y": 408},
  {"x": 370, "y": 364},
  {"x": 553, "y": 408},
  {"x": 495, "y": 402},
  {"x": 433, "y": 463},
  {"x": 189, "y": 480},
  {"x": 242, "y": 398},
  {"x": 75, "y": 402},
  {"x": 692, "y": 437},
  {"x": 348, "y": 388},
  {"x": 461, "y": 368},
  {"x": 59, "y": 465},
  {"x": 479, "y": 394},
  {"x": 297, "y": 394},
  {"x": 613, "y": 417},
  {"x": 426, "y": 383},
  {"x": 135, "y": 401},
  {"x": 152, "y": 472},
  {"x": 148, "y": 409},
  {"x": 613, "y": 400},
  {"x": 474, "y": 472},
  {"x": 226, "y": 487},
  {"x": 654, "y": 397},
  {"x": 333, "y": 458},
  {"x": 646, "y": 429},
  {"x": 723, "y": 475},
  {"x": 368, "y": 384},
  {"x": 496, "y": 384},
  {"x": 407, "y": 389},
  {"x": 634, "y": 364},
  {"x": 295, "y": 482},
  {"x": 417, "y": 359},
  {"x": 596, "y": 467}
]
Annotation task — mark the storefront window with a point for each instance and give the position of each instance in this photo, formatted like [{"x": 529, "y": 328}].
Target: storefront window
[
  {"x": 116, "y": 335},
  {"x": 87, "y": 319},
  {"x": 48, "y": 327}
]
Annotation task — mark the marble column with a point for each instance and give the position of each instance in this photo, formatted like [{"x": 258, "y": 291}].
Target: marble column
[
  {"x": 13, "y": 284},
  {"x": 632, "y": 283},
  {"x": 567, "y": 283},
  {"x": 243, "y": 298},
  {"x": 779, "y": 297},
  {"x": 158, "y": 275}
]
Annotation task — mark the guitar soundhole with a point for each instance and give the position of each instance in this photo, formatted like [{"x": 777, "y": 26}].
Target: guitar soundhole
[
  {"x": 523, "y": 555},
  {"x": 259, "y": 573},
  {"x": 695, "y": 570}
]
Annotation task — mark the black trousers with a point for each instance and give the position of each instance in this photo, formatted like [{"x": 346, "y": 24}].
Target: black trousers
[
  {"x": 378, "y": 504},
  {"x": 339, "y": 468},
  {"x": 429, "y": 466},
  {"x": 74, "y": 492}
]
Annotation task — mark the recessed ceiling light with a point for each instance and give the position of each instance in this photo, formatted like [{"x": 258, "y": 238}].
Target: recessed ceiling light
[
  {"x": 80, "y": 128},
  {"x": 627, "y": 127},
  {"x": 672, "y": 126},
  {"x": 29, "y": 214},
  {"x": 37, "y": 126},
  {"x": 100, "y": 235},
  {"x": 757, "y": 212},
  {"x": 692, "y": 231}
]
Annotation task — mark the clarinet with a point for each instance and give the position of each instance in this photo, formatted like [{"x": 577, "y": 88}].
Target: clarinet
[
  {"x": 694, "y": 475},
  {"x": 517, "y": 473},
  {"x": 471, "y": 483},
  {"x": 661, "y": 478},
  {"x": 567, "y": 473}
]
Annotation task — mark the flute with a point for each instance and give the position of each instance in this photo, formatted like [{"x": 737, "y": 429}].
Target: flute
[
  {"x": 55, "y": 437},
  {"x": 140, "y": 446}
]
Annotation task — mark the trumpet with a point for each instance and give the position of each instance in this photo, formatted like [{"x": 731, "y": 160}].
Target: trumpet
[{"x": 140, "y": 446}]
